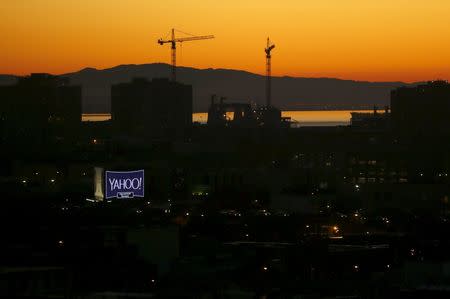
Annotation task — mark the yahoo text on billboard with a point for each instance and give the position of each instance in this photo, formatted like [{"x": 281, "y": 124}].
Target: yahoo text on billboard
[{"x": 124, "y": 184}]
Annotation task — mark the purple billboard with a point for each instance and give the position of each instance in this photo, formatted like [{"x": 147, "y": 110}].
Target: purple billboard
[{"x": 124, "y": 184}]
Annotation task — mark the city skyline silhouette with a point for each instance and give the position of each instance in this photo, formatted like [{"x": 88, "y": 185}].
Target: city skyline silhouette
[{"x": 257, "y": 172}]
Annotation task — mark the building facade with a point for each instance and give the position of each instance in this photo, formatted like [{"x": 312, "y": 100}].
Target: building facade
[
  {"x": 143, "y": 109},
  {"x": 421, "y": 110},
  {"x": 40, "y": 109}
]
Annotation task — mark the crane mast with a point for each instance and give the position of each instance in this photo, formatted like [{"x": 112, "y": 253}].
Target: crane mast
[
  {"x": 268, "y": 50},
  {"x": 173, "y": 42},
  {"x": 173, "y": 53}
]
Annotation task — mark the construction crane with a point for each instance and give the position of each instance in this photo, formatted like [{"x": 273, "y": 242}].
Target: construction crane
[
  {"x": 268, "y": 49},
  {"x": 173, "y": 41}
]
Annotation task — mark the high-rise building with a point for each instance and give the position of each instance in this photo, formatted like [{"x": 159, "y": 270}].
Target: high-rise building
[
  {"x": 40, "y": 109},
  {"x": 143, "y": 109},
  {"x": 421, "y": 110}
]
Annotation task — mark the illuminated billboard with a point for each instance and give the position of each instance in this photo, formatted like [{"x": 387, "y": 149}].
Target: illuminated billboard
[{"x": 124, "y": 184}]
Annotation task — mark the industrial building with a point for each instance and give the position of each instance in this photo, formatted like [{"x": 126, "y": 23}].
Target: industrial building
[
  {"x": 244, "y": 115},
  {"x": 371, "y": 120}
]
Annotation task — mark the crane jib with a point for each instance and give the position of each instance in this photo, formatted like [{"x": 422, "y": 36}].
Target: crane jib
[{"x": 173, "y": 42}]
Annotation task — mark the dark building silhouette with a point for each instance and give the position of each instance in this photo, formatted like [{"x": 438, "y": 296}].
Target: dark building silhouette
[
  {"x": 40, "y": 109},
  {"x": 270, "y": 116},
  {"x": 371, "y": 120},
  {"x": 151, "y": 109},
  {"x": 421, "y": 110},
  {"x": 330, "y": 206},
  {"x": 242, "y": 114}
]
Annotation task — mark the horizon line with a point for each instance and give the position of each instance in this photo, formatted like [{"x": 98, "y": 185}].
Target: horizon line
[{"x": 211, "y": 68}]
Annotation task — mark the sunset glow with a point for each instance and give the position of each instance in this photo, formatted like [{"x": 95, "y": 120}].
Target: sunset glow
[{"x": 382, "y": 40}]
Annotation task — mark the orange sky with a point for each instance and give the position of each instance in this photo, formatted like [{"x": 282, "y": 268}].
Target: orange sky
[{"x": 407, "y": 40}]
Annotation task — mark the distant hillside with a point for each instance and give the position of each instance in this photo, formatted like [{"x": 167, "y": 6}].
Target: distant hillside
[{"x": 289, "y": 93}]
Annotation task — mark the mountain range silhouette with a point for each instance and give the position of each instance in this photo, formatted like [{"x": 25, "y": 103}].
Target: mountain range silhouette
[{"x": 288, "y": 93}]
